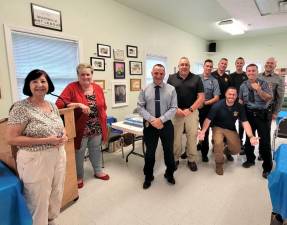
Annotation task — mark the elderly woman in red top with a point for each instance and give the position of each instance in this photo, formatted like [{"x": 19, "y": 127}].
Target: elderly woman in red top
[{"x": 90, "y": 119}]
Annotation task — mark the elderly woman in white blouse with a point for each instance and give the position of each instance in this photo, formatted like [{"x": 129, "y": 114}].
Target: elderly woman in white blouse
[{"x": 36, "y": 128}]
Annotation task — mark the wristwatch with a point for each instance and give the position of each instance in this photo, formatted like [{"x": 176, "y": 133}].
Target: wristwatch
[{"x": 191, "y": 109}]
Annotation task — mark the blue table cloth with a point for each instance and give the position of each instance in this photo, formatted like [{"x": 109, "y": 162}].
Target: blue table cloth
[
  {"x": 280, "y": 116},
  {"x": 277, "y": 182},
  {"x": 13, "y": 208}
]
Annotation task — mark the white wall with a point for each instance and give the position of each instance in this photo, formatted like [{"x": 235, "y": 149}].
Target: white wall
[
  {"x": 254, "y": 49},
  {"x": 105, "y": 22}
]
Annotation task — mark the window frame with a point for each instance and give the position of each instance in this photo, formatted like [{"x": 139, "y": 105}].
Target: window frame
[{"x": 9, "y": 29}]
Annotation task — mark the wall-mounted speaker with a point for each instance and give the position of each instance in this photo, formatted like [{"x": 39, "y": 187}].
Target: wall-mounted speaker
[{"x": 212, "y": 47}]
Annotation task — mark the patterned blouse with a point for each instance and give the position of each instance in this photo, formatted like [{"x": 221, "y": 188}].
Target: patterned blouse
[
  {"x": 93, "y": 125},
  {"x": 37, "y": 123}
]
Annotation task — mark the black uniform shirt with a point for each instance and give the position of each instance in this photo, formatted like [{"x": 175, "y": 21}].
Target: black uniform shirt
[
  {"x": 223, "y": 81},
  {"x": 236, "y": 79},
  {"x": 225, "y": 116}
]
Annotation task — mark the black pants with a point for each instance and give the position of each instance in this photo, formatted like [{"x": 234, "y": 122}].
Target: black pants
[
  {"x": 260, "y": 121},
  {"x": 204, "y": 145},
  {"x": 240, "y": 132},
  {"x": 151, "y": 136}
]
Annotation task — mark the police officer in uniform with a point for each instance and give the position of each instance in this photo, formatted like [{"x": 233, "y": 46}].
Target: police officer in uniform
[
  {"x": 276, "y": 83},
  {"x": 212, "y": 93},
  {"x": 236, "y": 79},
  {"x": 223, "y": 116},
  {"x": 256, "y": 95}
]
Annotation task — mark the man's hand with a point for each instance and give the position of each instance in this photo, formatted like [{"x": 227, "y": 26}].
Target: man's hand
[
  {"x": 187, "y": 112},
  {"x": 180, "y": 113},
  {"x": 201, "y": 135},
  {"x": 254, "y": 140},
  {"x": 256, "y": 86},
  {"x": 157, "y": 123}
]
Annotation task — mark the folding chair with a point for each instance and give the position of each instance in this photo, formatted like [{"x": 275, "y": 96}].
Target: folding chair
[
  {"x": 112, "y": 137},
  {"x": 280, "y": 131}
]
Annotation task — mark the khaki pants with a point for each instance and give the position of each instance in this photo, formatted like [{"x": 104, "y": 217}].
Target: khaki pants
[
  {"x": 232, "y": 139},
  {"x": 190, "y": 123},
  {"x": 43, "y": 175}
]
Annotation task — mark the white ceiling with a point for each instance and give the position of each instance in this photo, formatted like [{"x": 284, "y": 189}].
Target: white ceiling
[{"x": 199, "y": 17}]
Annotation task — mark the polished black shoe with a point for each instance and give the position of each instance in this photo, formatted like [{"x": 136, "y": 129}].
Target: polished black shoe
[
  {"x": 259, "y": 158},
  {"x": 170, "y": 179},
  {"x": 229, "y": 157},
  {"x": 205, "y": 159},
  {"x": 176, "y": 165},
  {"x": 265, "y": 174},
  {"x": 247, "y": 164},
  {"x": 147, "y": 182},
  {"x": 192, "y": 166},
  {"x": 183, "y": 155}
]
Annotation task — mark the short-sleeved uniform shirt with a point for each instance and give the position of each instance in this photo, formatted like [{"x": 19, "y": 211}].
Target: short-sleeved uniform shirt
[
  {"x": 211, "y": 87},
  {"x": 225, "y": 116},
  {"x": 186, "y": 89},
  {"x": 37, "y": 123},
  {"x": 250, "y": 97}
]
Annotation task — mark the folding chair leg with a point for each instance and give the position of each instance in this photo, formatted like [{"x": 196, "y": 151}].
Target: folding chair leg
[{"x": 122, "y": 145}]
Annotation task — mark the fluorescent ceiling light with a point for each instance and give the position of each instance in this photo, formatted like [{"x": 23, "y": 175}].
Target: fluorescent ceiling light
[
  {"x": 231, "y": 26},
  {"x": 271, "y": 7}
]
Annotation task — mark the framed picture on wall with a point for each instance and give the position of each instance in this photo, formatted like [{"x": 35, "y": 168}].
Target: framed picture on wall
[
  {"x": 135, "y": 84},
  {"x": 101, "y": 83},
  {"x": 46, "y": 18},
  {"x": 119, "y": 54},
  {"x": 132, "y": 51},
  {"x": 135, "y": 68},
  {"x": 119, "y": 70},
  {"x": 119, "y": 94},
  {"x": 97, "y": 63},
  {"x": 104, "y": 50}
]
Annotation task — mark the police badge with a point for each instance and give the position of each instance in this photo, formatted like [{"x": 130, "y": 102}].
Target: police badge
[{"x": 235, "y": 113}]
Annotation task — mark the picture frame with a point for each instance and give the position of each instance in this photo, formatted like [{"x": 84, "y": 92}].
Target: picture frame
[
  {"x": 135, "y": 68},
  {"x": 119, "y": 70},
  {"x": 132, "y": 51},
  {"x": 119, "y": 54},
  {"x": 119, "y": 94},
  {"x": 45, "y": 17},
  {"x": 135, "y": 84},
  {"x": 104, "y": 50},
  {"x": 98, "y": 63},
  {"x": 101, "y": 83}
]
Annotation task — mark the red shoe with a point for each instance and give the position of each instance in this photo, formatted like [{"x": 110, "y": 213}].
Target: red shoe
[
  {"x": 105, "y": 177},
  {"x": 80, "y": 184}
]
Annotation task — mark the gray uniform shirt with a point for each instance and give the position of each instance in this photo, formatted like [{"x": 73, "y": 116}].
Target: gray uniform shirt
[
  {"x": 211, "y": 87},
  {"x": 276, "y": 83},
  {"x": 168, "y": 102},
  {"x": 250, "y": 97}
]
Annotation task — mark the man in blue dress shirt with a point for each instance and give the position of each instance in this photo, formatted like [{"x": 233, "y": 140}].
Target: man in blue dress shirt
[{"x": 157, "y": 104}]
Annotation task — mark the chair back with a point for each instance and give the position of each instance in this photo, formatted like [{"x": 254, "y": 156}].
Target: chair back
[{"x": 282, "y": 128}]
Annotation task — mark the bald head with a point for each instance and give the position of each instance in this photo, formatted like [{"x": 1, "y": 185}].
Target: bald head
[{"x": 270, "y": 65}]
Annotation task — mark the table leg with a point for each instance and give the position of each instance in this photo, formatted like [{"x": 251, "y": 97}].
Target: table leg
[{"x": 133, "y": 150}]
